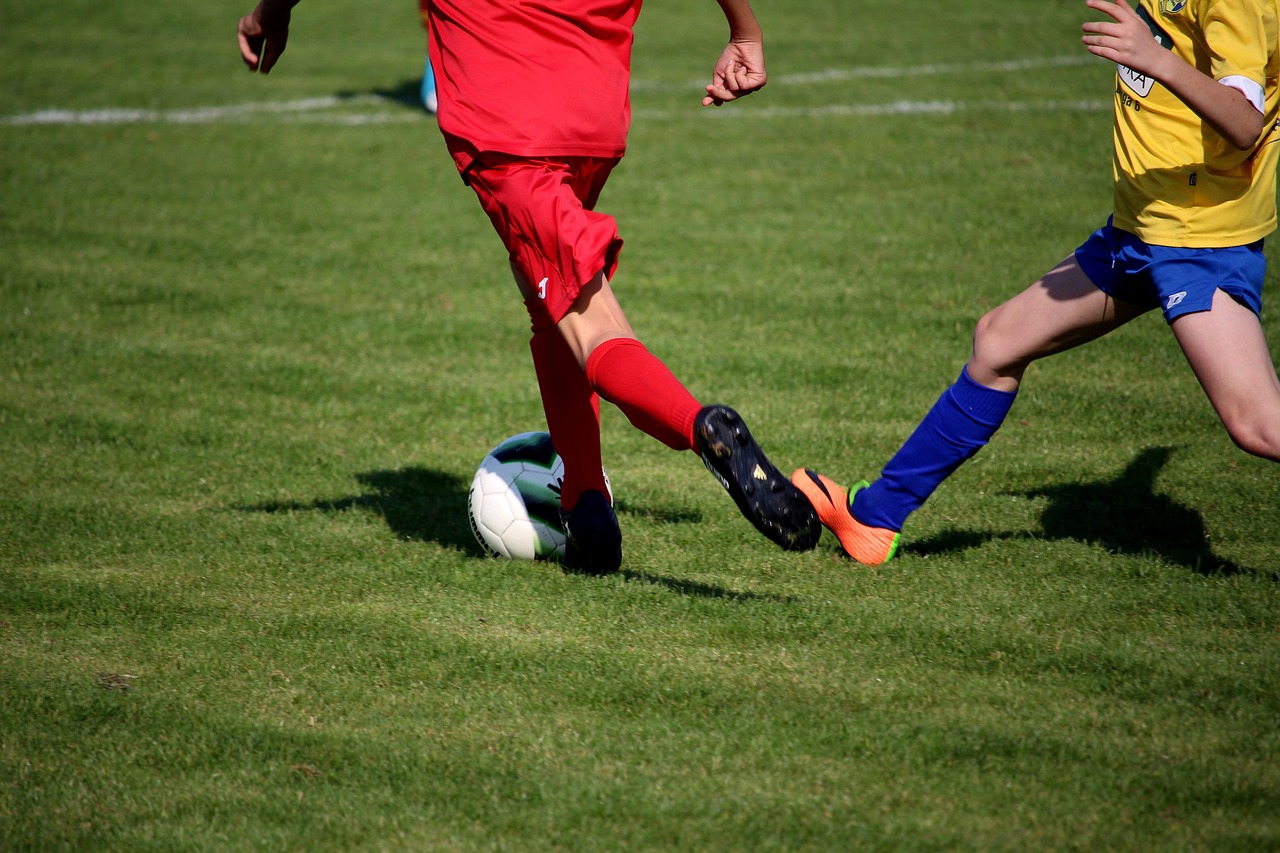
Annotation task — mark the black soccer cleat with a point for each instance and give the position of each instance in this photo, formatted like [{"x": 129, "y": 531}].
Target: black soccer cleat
[
  {"x": 592, "y": 538},
  {"x": 768, "y": 500}
]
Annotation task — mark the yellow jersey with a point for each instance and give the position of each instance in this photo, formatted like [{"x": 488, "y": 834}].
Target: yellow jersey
[{"x": 1177, "y": 182}]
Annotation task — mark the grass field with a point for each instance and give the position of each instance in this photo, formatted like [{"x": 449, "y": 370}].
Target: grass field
[{"x": 255, "y": 336}]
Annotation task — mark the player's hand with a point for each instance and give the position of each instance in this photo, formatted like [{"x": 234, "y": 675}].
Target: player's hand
[
  {"x": 1125, "y": 40},
  {"x": 262, "y": 42},
  {"x": 738, "y": 73}
]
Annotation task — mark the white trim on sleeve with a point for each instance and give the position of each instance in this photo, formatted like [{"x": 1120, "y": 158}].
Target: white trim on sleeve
[{"x": 1246, "y": 87}]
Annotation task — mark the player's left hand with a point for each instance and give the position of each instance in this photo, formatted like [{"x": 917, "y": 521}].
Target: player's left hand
[
  {"x": 1127, "y": 41},
  {"x": 738, "y": 73},
  {"x": 261, "y": 41}
]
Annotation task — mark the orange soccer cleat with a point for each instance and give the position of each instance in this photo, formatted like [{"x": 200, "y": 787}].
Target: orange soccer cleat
[{"x": 868, "y": 545}]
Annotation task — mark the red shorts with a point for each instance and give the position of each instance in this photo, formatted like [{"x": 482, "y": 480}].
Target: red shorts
[{"x": 541, "y": 207}]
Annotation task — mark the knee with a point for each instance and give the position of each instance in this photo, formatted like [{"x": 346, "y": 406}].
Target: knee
[
  {"x": 983, "y": 331},
  {"x": 1255, "y": 436},
  {"x": 993, "y": 358}
]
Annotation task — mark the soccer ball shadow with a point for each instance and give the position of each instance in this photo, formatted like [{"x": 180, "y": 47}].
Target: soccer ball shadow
[{"x": 417, "y": 504}]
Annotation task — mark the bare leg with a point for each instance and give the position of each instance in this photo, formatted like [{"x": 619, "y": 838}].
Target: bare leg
[
  {"x": 595, "y": 317},
  {"x": 639, "y": 384},
  {"x": 1060, "y": 311},
  {"x": 1228, "y": 353}
]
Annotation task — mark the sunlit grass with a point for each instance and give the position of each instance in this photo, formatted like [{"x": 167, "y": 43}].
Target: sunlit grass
[{"x": 248, "y": 367}]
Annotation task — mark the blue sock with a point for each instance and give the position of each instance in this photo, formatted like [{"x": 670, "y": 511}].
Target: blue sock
[{"x": 959, "y": 424}]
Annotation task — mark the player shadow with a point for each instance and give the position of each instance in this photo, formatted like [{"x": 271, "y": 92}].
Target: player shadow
[
  {"x": 407, "y": 94},
  {"x": 660, "y": 514},
  {"x": 696, "y": 589},
  {"x": 682, "y": 586},
  {"x": 422, "y": 505},
  {"x": 417, "y": 504},
  {"x": 1124, "y": 515}
]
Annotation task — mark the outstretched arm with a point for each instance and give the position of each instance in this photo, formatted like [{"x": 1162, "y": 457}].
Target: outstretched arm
[
  {"x": 1126, "y": 40},
  {"x": 263, "y": 32},
  {"x": 740, "y": 69}
]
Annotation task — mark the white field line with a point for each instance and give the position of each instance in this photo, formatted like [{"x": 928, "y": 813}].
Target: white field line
[
  {"x": 898, "y": 108},
  {"x": 333, "y": 109},
  {"x": 890, "y": 72},
  {"x": 194, "y": 115}
]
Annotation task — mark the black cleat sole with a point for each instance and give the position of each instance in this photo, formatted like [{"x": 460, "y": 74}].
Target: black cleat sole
[{"x": 764, "y": 496}]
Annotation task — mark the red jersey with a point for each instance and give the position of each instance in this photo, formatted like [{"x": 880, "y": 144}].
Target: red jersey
[{"x": 534, "y": 78}]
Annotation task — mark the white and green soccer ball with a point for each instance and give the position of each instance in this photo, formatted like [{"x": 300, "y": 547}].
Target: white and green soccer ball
[{"x": 514, "y": 501}]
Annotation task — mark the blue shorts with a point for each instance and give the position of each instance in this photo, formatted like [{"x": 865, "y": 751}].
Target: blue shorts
[{"x": 1179, "y": 281}]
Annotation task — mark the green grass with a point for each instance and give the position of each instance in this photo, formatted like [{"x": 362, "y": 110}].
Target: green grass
[{"x": 249, "y": 363}]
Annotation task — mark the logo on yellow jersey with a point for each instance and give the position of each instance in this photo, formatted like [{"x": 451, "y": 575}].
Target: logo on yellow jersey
[{"x": 1172, "y": 7}]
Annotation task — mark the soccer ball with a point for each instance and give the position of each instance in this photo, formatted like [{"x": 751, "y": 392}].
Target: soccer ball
[{"x": 514, "y": 502}]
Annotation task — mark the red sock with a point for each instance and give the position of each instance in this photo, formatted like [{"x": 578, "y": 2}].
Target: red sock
[
  {"x": 573, "y": 415},
  {"x": 626, "y": 374}
]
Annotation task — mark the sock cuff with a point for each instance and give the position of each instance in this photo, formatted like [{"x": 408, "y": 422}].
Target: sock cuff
[
  {"x": 601, "y": 352},
  {"x": 985, "y": 405}
]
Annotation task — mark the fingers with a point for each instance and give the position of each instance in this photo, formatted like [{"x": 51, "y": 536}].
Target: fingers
[
  {"x": 1119, "y": 39},
  {"x": 249, "y": 36},
  {"x": 258, "y": 51},
  {"x": 268, "y": 53},
  {"x": 1117, "y": 9},
  {"x": 738, "y": 72},
  {"x": 731, "y": 84},
  {"x": 718, "y": 94},
  {"x": 738, "y": 77}
]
